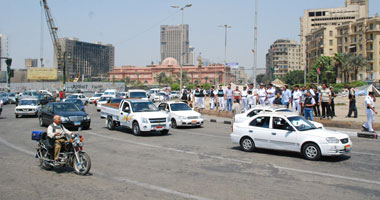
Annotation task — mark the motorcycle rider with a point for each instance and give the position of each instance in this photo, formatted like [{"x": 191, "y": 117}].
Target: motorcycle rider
[{"x": 57, "y": 132}]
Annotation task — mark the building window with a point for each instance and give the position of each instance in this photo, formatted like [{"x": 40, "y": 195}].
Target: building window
[
  {"x": 331, "y": 51},
  {"x": 331, "y": 42},
  {"x": 311, "y": 14},
  {"x": 331, "y": 33},
  {"x": 371, "y": 26}
]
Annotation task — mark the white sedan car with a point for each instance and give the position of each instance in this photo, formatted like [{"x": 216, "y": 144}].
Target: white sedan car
[
  {"x": 181, "y": 114},
  {"x": 27, "y": 107},
  {"x": 290, "y": 133},
  {"x": 82, "y": 97},
  {"x": 102, "y": 100},
  {"x": 259, "y": 109},
  {"x": 94, "y": 98}
]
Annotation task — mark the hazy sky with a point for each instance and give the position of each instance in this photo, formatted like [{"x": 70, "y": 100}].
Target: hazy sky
[{"x": 132, "y": 26}]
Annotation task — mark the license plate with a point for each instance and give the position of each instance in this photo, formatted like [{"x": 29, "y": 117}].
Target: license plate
[
  {"x": 194, "y": 121},
  {"x": 76, "y": 123}
]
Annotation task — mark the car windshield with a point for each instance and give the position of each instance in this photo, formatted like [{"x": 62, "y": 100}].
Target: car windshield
[
  {"x": 104, "y": 98},
  {"x": 143, "y": 107},
  {"x": 34, "y": 93},
  {"x": 98, "y": 95},
  {"x": 3, "y": 95},
  {"x": 73, "y": 97},
  {"x": 66, "y": 107},
  {"x": 28, "y": 103},
  {"x": 179, "y": 107},
  {"x": 173, "y": 93},
  {"x": 137, "y": 95},
  {"x": 116, "y": 100},
  {"x": 283, "y": 110},
  {"x": 301, "y": 124},
  {"x": 11, "y": 94},
  {"x": 74, "y": 101},
  {"x": 109, "y": 93}
]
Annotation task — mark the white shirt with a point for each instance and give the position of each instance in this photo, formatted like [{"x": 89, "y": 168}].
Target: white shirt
[
  {"x": 271, "y": 92},
  {"x": 244, "y": 93},
  {"x": 59, "y": 129},
  {"x": 369, "y": 101},
  {"x": 286, "y": 95},
  {"x": 262, "y": 93},
  {"x": 251, "y": 98},
  {"x": 297, "y": 94}
]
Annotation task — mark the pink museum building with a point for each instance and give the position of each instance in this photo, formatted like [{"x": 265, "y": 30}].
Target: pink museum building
[{"x": 170, "y": 66}]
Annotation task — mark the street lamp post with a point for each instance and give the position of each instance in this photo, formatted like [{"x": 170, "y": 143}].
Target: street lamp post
[
  {"x": 254, "y": 51},
  {"x": 182, "y": 35},
  {"x": 225, "y": 48}
]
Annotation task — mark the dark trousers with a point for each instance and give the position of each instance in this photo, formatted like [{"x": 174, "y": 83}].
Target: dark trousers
[
  {"x": 317, "y": 111},
  {"x": 326, "y": 109},
  {"x": 332, "y": 109},
  {"x": 352, "y": 108}
]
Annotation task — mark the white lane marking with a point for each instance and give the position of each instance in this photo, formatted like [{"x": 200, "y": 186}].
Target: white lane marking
[
  {"x": 170, "y": 149},
  {"x": 327, "y": 175},
  {"x": 207, "y": 135},
  {"x": 133, "y": 182},
  {"x": 241, "y": 161}
]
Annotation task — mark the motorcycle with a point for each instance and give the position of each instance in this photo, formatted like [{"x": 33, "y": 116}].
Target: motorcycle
[{"x": 71, "y": 154}]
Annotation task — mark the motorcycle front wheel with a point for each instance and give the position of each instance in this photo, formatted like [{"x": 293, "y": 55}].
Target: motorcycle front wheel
[{"x": 84, "y": 165}]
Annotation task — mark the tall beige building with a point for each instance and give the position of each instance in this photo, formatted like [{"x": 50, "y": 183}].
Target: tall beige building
[
  {"x": 282, "y": 57},
  {"x": 314, "y": 19},
  {"x": 361, "y": 37}
]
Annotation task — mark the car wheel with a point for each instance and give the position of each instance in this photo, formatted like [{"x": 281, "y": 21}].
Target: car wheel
[
  {"x": 110, "y": 124},
  {"x": 136, "y": 128},
  {"x": 247, "y": 144},
  {"x": 311, "y": 151},
  {"x": 98, "y": 110},
  {"x": 174, "y": 123},
  {"x": 16, "y": 115},
  {"x": 164, "y": 132},
  {"x": 42, "y": 124}
]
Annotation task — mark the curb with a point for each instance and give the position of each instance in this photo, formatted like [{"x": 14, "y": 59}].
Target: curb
[
  {"x": 219, "y": 121},
  {"x": 368, "y": 135}
]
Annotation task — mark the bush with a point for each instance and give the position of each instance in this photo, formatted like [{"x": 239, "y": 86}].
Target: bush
[
  {"x": 175, "y": 86},
  {"x": 207, "y": 86},
  {"x": 190, "y": 86}
]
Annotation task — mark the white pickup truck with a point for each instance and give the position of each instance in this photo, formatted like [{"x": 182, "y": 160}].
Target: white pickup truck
[{"x": 136, "y": 114}]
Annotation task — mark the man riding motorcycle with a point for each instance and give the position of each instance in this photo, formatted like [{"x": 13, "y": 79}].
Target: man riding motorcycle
[{"x": 57, "y": 132}]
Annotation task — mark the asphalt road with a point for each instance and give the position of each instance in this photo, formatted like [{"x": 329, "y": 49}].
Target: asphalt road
[{"x": 188, "y": 163}]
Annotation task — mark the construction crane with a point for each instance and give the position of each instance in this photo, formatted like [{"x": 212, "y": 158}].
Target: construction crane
[{"x": 54, "y": 37}]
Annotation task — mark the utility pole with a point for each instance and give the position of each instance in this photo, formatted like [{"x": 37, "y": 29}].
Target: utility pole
[
  {"x": 255, "y": 46},
  {"x": 225, "y": 50}
]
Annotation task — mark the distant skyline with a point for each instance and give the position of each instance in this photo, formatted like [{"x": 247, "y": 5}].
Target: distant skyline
[{"x": 133, "y": 27}]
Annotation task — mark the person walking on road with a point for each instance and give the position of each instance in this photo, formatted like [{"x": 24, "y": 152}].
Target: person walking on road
[
  {"x": 244, "y": 99},
  {"x": 308, "y": 105},
  {"x": 296, "y": 100},
  {"x": 229, "y": 96},
  {"x": 61, "y": 96},
  {"x": 333, "y": 95},
  {"x": 326, "y": 102},
  {"x": 352, "y": 105},
  {"x": 262, "y": 93},
  {"x": 370, "y": 105},
  {"x": 286, "y": 96},
  {"x": 220, "y": 95}
]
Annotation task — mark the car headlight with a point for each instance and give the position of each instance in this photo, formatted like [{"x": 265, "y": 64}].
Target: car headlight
[
  {"x": 182, "y": 117},
  {"x": 87, "y": 117},
  {"x": 144, "y": 120},
  {"x": 64, "y": 119},
  {"x": 332, "y": 140}
]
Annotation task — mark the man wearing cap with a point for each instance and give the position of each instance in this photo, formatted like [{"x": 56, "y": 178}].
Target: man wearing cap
[
  {"x": 262, "y": 93},
  {"x": 271, "y": 94},
  {"x": 296, "y": 99},
  {"x": 370, "y": 105}
]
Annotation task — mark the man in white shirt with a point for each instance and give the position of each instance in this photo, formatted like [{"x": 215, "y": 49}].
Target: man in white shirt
[
  {"x": 58, "y": 132},
  {"x": 229, "y": 96},
  {"x": 297, "y": 99},
  {"x": 271, "y": 94},
  {"x": 262, "y": 93},
  {"x": 326, "y": 101},
  {"x": 286, "y": 96},
  {"x": 244, "y": 99},
  {"x": 221, "y": 98},
  {"x": 253, "y": 101},
  {"x": 370, "y": 109}
]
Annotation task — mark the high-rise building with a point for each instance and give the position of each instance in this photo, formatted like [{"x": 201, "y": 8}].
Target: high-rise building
[
  {"x": 88, "y": 60},
  {"x": 282, "y": 57},
  {"x": 3, "y": 51},
  {"x": 30, "y": 62},
  {"x": 314, "y": 19},
  {"x": 171, "y": 38},
  {"x": 361, "y": 37}
]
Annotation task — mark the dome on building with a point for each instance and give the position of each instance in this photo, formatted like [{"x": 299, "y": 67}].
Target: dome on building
[{"x": 170, "y": 61}]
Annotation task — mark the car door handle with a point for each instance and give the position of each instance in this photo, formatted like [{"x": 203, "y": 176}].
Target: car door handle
[
  {"x": 273, "y": 133},
  {"x": 251, "y": 131}
]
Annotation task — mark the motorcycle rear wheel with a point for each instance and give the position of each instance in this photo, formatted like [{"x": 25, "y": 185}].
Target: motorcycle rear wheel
[
  {"x": 84, "y": 168},
  {"x": 44, "y": 165}
]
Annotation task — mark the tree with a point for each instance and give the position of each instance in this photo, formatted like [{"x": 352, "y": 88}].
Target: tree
[
  {"x": 338, "y": 60},
  {"x": 206, "y": 78},
  {"x": 175, "y": 86},
  {"x": 322, "y": 70},
  {"x": 127, "y": 80},
  {"x": 294, "y": 77},
  {"x": 357, "y": 62}
]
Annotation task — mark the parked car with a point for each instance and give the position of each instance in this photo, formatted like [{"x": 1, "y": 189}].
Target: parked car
[
  {"x": 27, "y": 107},
  {"x": 71, "y": 116},
  {"x": 82, "y": 97},
  {"x": 45, "y": 98},
  {"x": 159, "y": 97},
  {"x": 4, "y": 97},
  {"x": 77, "y": 102},
  {"x": 181, "y": 114},
  {"x": 141, "y": 94},
  {"x": 12, "y": 98},
  {"x": 259, "y": 109},
  {"x": 45, "y": 92},
  {"x": 122, "y": 94},
  {"x": 110, "y": 93},
  {"x": 94, "y": 98},
  {"x": 289, "y": 132},
  {"x": 101, "y": 101}
]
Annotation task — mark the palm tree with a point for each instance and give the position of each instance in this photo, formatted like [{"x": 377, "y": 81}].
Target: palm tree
[
  {"x": 357, "y": 62},
  {"x": 338, "y": 62},
  {"x": 323, "y": 63},
  {"x": 127, "y": 80}
]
